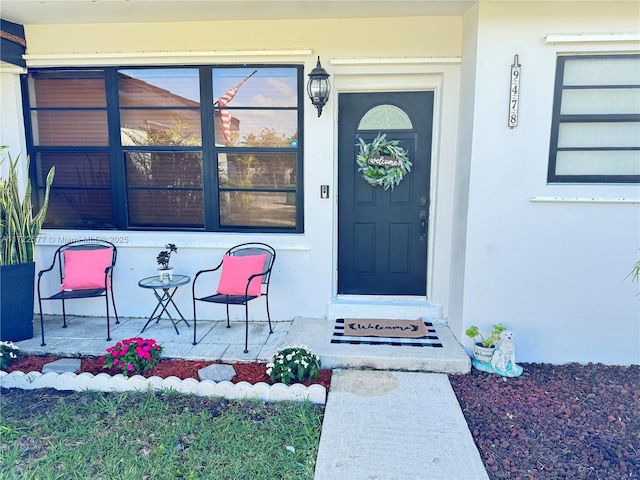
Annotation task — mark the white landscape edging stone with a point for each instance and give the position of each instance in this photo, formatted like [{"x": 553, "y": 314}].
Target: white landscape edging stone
[{"x": 104, "y": 382}]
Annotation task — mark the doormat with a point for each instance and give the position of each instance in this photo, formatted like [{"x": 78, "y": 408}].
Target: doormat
[
  {"x": 378, "y": 327},
  {"x": 430, "y": 339}
]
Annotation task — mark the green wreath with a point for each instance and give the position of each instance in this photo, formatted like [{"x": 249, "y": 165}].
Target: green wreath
[{"x": 383, "y": 163}]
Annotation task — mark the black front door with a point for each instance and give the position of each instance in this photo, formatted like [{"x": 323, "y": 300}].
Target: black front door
[{"x": 382, "y": 234}]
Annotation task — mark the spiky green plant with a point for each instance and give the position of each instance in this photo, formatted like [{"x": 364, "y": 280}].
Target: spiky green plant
[
  {"x": 635, "y": 271},
  {"x": 19, "y": 227}
]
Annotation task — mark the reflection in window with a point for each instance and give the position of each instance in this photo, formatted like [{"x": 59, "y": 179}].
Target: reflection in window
[
  {"x": 267, "y": 87},
  {"x": 70, "y": 127},
  {"x": 165, "y": 188},
  {"x": 132, "y": 150},
  {"x": 271, "y": 93},
  {"x": 385, "y": 117},
  {"x": 249, "y": 209},
  {"x": 164, "y": 169},
  {"x": 257, "y": 170},
  {"x": 81, "y": 195},
  {"x": 159, "y": 87},
  {"x": 160, "y": 127},
  {"x": 144, "y": 96},
  {"x": 67, "y": 89},
  {"x": 257, "y": 128},
  {"x": 69, "y": 208},
  {"x": 68, "y": 107},
  {"x": 166, "y": 208}
]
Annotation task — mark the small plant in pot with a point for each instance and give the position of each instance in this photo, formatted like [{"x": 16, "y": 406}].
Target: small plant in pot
[
  {"x": 164, "y": 270},
  {"x": 483, "y": 349}
]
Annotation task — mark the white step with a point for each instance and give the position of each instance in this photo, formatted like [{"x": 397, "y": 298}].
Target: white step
[{"x": 408, "y": 308}]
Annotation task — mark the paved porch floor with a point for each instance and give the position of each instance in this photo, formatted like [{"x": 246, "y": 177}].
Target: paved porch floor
[{"x": 86, "y": 336}]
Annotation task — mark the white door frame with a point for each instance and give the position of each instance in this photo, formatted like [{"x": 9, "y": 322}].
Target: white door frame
[{"x": 358, "y": 78}]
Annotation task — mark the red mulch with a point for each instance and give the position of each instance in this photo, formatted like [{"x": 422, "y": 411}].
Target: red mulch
[
  {"x": 555, "y": 421},
  {"x": 245, "y": 372}
]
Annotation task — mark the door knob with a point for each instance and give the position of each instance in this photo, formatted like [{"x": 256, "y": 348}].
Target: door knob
[{"x": 423, "y": 201}]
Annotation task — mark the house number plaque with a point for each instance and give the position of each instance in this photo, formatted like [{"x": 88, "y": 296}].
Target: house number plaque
[{"x": 514, "y": 93}]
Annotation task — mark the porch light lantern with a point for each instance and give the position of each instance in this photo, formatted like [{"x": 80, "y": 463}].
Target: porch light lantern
[{"x": 318, "y": 87}]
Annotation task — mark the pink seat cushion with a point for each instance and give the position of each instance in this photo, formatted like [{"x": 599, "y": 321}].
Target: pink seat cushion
[
  {"x": 84, "y": 269},
  {"x": 236, "y": 271}
]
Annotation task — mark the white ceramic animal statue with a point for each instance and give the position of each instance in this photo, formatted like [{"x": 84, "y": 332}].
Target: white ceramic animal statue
[{"x": 504, "y": 357}]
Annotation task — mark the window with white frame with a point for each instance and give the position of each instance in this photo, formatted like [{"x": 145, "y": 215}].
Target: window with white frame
[
  {"x": 204, "y": 148},
  {"x": 595, "y": 135}
]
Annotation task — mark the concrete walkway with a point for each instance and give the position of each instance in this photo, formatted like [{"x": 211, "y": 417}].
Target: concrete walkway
[
  {"x": 390, "y": 414},
  {"x": 386, "y": 425}
]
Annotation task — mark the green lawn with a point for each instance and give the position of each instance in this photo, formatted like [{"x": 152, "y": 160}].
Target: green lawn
[{"x": 46, "y": 434}]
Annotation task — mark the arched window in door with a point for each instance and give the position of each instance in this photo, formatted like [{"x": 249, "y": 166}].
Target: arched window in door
[{"x": 385, "y": 117}]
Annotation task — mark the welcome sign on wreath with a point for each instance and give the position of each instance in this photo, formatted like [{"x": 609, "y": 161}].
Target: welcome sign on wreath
[{"x": 383, "y": 162}]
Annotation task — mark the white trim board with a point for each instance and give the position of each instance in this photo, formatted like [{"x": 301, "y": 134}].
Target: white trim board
[{"x": 147, "y": 58}]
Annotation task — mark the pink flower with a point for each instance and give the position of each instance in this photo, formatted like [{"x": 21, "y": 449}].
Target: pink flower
[{"x": 122, "y": 353}]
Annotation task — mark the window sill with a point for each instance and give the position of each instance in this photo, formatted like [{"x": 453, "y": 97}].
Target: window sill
[{"x": 547, "y": 199}]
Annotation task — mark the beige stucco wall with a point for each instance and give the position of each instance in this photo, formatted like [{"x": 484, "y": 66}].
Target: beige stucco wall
[{"x": 420, "y": 36}]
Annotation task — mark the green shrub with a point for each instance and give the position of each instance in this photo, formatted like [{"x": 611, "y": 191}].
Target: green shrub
[
  {"x": 8, "y": 353},
  {"x": 294, "y": 363}
]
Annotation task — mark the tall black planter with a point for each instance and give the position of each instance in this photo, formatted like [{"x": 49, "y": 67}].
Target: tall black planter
[{"x": 16, "y": 301}]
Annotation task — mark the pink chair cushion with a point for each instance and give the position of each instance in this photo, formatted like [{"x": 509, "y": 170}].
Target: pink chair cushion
[
  {"x": 84, "y": 269},
  {"x": 236, "y": 271}
]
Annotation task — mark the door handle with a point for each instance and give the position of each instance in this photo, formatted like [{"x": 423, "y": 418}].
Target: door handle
[{"x": 423, "y": 225}]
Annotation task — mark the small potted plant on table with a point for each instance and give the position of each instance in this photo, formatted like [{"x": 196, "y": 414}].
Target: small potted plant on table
[
  {"x": 483, "y": 350},
  {"x": 164, "y": 270}
]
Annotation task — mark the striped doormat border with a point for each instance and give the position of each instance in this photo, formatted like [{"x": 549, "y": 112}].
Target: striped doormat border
[{"x": 430, "y": 340}]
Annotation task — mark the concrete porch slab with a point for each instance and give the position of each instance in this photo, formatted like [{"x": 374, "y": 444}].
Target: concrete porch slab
[{"x": 316, "y": 334}]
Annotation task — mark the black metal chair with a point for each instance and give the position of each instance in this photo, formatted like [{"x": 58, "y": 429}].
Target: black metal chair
[
  {"x": 254, "y": 282},
  {"x": 86, "y": 271}
]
